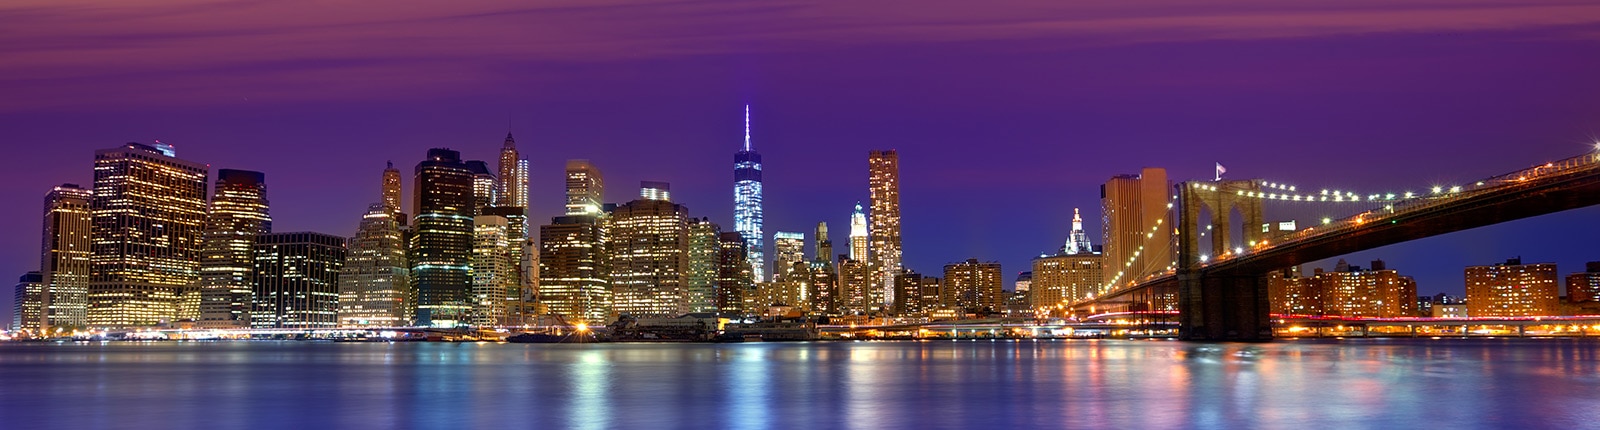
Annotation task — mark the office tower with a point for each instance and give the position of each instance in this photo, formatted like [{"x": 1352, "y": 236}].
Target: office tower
[
  {"x": 1023, "y": 283},
  {"x": 26, "y": 302},
  {"x": 974, "y": 286},
  {"x": 513, "y": 177},
  {"x": 858, "y": 235},
  {"x": 575, "y": 268},
  {"x": 1584, "y": 286},
  {"x": 64, "y": 265},
  {"x": 650, "y": 241},
  {"x": 586, "y": 189},
  {"x": 239, "y": 212},
  {"x": 705, "y": 249},
  {"x": 1060, "y": 280},
  {"x": 1135, "y": 213},
  {"x": 823, "y": 246},
  {"x": 392, "y": 193},
  {"x": 908, "y": 293},
  {"x": 883, "y": 184},
  {"x": 733, "y": 273},
  {"x": 789, "y": 249},
  {"x": 375, "y": 282},
  {"x": 149, "y": 208},
  {"x": 824, "y": 287},
  {"x": 494, "y": 271},
  {"x": 932, "y": 294},
  {"x": 297, "y": 280},
  {"x": 1078, "y": 242},
  {"x": 518, "y": 294},
  {"x": 485, "y": 186},
  {"x": 855, "y": 281},
  {"x": 1513, "y": 289},
  {"x": 441, "y": 239},
  {"x": 747, "y": 217}
]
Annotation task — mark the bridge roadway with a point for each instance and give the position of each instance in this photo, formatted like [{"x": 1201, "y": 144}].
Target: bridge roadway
[{"x": 1225, "y": 298}]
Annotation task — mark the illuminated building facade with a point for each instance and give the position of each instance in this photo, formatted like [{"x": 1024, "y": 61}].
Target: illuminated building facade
[
  {"x": 704, "y": 253},
  {"x": 64, "y": 265},
  {"x": 586, "y": 188},
  {"x": 1134, "y": 211},
  {"x": 733, "y": 273},
  {"x": 375, "y": 282},
  {"x": 974, "y": 286},
  {"x": 883, "y": 186},
  {"x": 575, "y": 268},
  {"x": 297, "y": 280},
  {"x": 858, "y": 234},
  {"x": 1584, "y": 286},
  {"x": 485, "y": 186},
  {"x": 908, "y": 294},
  {"x": 27, "y": 301},
  {"x": 789, "y": 249},
  {"x": 238, "y": 214},
  {"x": 149, "y": 210},
  {"x": 1349, "y": 291},
  {"x": 854, "y": 286},
  {"x": 747, "y": 216},
  {"x": 1063, "y": 279},
  {"x": 494, "y": 270},
  {"x": 441, "y": 239},
  {"x": 1513, "y": 289},
  {"x": 650, "y": 241},
  {"x": 519, "y": 288},
  {"x": 391, "y": 193}
]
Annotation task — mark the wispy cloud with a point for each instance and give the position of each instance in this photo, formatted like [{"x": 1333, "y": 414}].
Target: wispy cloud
[{"x": 67, "y": 53}]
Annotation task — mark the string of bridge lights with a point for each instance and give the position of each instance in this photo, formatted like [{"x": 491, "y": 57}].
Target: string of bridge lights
[
  {"x": 1139, "y": 251},
  {"x": 1285, "y": 192}
]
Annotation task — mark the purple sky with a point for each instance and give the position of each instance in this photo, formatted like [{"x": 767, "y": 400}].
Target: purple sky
[{"x": 1006, "y": 115}]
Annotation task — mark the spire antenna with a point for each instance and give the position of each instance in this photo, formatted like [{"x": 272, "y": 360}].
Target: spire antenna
[{"x": 746, "y": 127}]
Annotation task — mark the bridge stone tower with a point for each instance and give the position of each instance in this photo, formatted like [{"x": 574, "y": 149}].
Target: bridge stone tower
[{"x": 1219, "y": 307}]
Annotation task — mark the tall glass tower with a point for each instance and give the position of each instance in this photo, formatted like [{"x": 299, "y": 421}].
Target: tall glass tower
[{"x": 747, "y": 201}]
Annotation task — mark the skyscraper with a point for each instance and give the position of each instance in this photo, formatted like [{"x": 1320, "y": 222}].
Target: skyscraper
[
  {"x": 26, "y": 302},
  {"x": 747, "y": 216},
  {"x": 1063, "y": 279},
  {"x": 392, "y": 193},
  {"x": 1078, "y": 242},
  {"x": 855, "y": 281},
  {"x": 65, "y": 262},
  {"x": 149, "y": 209},
  {"x": 883, "y": 183},
  {"x": 705, "y": 248},
  {"x": 238, "y": 214},
  {"x": 375, "y": 282},
  {"x": 575, "y": 268},
  {"x": 297, "y": 280},
  {"x": 650, "y": 241},
  {"x": 1513, "y": 289},
  {"x": 858, "y": 235},
  {"x": 494, "y": 270},
  {"x": 1136, "y": 213},
  {"x": 513, "y": 176},
  {"x": 733, "y": 273},
  {"x": 975, "y": 286},
  {"x": 586, "y": 189},
  {"x": 823, "y": 246},
  {"x": 789, "y": 249},
  {"x": 441, "y": 242},
  {"x": 485, "y": 186}
]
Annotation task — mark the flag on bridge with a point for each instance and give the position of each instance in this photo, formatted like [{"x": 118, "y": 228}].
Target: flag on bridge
[{"x": 1220, "y": 171}]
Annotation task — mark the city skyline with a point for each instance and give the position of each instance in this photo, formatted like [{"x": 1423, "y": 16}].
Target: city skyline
[{"x": 1055, "y": 116}]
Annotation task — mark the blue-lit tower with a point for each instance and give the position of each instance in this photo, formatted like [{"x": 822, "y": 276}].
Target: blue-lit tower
[{"x": 747, "y": 201}]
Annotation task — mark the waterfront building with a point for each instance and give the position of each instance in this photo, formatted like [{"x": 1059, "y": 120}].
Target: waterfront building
[
  {"x": 1452, "y": 310},
  {"x": 494, "y": 271},
  {"x": 1513, "y": 289},
  {"x": 733, "y": 273},
  {"x": 297, "y": 280},
  {"x": 788, "y": 251},
  {"x": 586, "y": 188},
  {"x": 575, "y": 268},
  {"x": 1584, "y": 286},
  {"x": 1348, "y": 290},
  {"x": 441, "y": 239},
  {"x": 1060, "y": 280},
  {"x": 149, "y": 209},
  {"x": 1132, "y": 207},
  {"x": 747, "y": 215},
  {"x": 375, "y": 282},
  {"x": 704, "y": 253},
  {"x": 1288, "y": 294},
  {"x": 650, "y": 241},
  {"x": 908, "y": 297},
  {"x": 239, "y": 212},
  {"x": 26, "y": 302},
  {"x": 974, "y": 286},
  {"x": 883, "y": 186},
  {"x": 932, "y": 293},
  {"x": 854, "y": 285},
  {"x": 64, "y": 265}
]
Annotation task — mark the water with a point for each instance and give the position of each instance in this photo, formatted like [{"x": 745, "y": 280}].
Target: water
[{"x": 1450, "y": 383}]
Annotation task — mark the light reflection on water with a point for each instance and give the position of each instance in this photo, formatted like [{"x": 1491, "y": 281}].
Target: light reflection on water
[{"x": 1451, "y": 383}]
